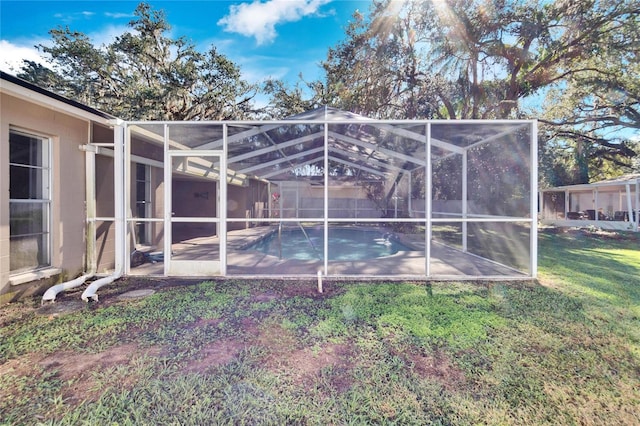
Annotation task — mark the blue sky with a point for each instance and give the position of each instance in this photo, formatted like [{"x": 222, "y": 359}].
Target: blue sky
[{"x": 266, "y": 38}]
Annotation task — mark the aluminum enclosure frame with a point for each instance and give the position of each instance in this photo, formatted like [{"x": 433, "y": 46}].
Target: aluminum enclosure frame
[{"x": 365, "y": 155}]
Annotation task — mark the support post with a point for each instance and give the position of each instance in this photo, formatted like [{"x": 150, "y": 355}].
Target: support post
[
  {"x": 168, "y": 169},
  {"x": 121, "y": 258},
  {"x": 465, "y": 201},
  {"x": 428, "y": 201},
  {"x": 409, "y": 195},
  {"x": 533, "y": 241},
  {"x": 222, "y": 203},
  {"x": 595, "y": 207},
  {"x": 325, "y": 249},
  {"x": 636, "y": 222},
  {"x": 90, "y": 194},
  {"x": 630, "y": 205}
]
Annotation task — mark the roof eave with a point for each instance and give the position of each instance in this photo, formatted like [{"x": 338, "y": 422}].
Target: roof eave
[{"x": 22, "y": 89}]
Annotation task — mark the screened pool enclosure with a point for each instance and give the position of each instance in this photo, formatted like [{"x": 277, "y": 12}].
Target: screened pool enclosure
[{"x": 324, "y": 191}]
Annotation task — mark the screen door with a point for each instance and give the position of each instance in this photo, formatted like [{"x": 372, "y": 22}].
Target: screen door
[{"x": 193, "y": 219}]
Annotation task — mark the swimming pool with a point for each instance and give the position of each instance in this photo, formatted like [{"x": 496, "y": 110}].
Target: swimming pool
[{"x": 344, "y": 244}]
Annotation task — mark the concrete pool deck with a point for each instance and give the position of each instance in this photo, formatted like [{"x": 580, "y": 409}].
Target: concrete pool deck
[{"x": 445, "y": 262}]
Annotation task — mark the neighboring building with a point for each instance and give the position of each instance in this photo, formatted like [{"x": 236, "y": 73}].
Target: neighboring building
[{"x": 608, "y": 204}]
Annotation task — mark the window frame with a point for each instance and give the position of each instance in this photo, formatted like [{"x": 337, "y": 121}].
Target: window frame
[{"x": 45, "y": 199}]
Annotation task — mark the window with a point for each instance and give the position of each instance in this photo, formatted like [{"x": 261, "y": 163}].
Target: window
[
  {"x": 29, "y": 202},
  {"x": 143, "y": 202}
]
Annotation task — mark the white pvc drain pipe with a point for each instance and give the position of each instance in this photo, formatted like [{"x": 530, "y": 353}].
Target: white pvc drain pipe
[{"x": 51, "y": 293}]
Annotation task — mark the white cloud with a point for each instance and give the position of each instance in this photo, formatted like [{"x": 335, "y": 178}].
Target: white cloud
[
  {"x": 13, "y": 55},
  {"x": 259, "y": 19},
  {"x": 68, "y": 18},
  {"x": 118, "y": 15},
  {"x": 107, "y": 35}
]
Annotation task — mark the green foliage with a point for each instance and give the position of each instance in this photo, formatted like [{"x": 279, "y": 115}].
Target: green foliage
[
  {"x": 564, "y": 350},
  {"x": 573, "y": 65},
  {"x": 97, "y": 329},
  {"x": 40, "y": 389},
  {"x": 143, "y": 74},
  {"x": 410, "y": 311}
]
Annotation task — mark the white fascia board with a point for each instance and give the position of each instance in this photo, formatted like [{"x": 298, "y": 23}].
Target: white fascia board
[{"x": 23, "y": 93}]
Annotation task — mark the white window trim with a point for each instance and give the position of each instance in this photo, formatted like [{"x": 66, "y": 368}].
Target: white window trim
[
  {"x": 30, "y": 276},
  {"x": 21, "y": 276}
]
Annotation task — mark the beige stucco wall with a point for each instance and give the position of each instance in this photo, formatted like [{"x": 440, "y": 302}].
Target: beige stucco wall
[
  {"x": 68, "y": 190},
  {"x": 105, "y": 230},
  {"x": 246, "y": 203}
]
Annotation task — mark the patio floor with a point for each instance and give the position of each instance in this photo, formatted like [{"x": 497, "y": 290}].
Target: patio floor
[{"x": 445, "y": 261}]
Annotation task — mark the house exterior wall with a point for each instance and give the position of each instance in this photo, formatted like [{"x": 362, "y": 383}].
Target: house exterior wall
[
  {"x": 67, "y": 192},
  {"x": 192, "y": 199},
  {"x": 248, "y": 202},
  {"x": 237, "y": 206},
  {"x": 105, "y": 230}
]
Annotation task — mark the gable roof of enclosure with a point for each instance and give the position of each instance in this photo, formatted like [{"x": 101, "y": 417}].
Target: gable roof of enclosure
[{"x": 277, "y": 150}]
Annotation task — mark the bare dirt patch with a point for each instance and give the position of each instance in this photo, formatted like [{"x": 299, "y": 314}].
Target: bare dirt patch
[
  {"x": 214, "y": 354},
  {"x": 303, "y": 365},
  {"x": 437, "y": 366},
  {"x": 73, "y": 364},
  {"x": 264, "y": 297},
  {"x": 17, "y": 367},
  {"x": 249, "y": 326},
  {"x": 204, "y": 322},
  {"x": 75, "y": 369},
  {"x": 275, "y": 338},
  {"x": 284, "y": 288}
]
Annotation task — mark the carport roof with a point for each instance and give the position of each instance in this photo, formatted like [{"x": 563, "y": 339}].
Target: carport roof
[{"x": 621, "y": 181}]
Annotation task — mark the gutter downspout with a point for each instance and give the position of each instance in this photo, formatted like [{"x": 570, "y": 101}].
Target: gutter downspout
[
  {"x": 119, "y": 208},
  {"x": 90, "y": 200}
]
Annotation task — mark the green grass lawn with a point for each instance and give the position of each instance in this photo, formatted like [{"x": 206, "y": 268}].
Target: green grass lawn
[{"x": 563, "y": 350}]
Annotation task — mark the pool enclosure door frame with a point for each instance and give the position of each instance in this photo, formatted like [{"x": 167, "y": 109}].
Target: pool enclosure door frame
[{"x": 209, "y": 265}]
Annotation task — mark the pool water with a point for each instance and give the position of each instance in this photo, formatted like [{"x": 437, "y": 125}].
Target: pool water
[{"x": 344, "y": 244}]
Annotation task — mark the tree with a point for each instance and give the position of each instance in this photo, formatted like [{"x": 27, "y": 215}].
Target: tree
[
  {"x": 378, "y": 70},
  {"x": 144, "y": 74},
  {"x": 495, "y": 59},
  {"x": 288, "y": 101},
  {"x": 596, "y": 113}
]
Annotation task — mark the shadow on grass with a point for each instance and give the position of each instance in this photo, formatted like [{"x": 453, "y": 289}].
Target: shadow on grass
[
  {"x": 605, "y": 271},
  {"x": 556, "y": 352}
]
